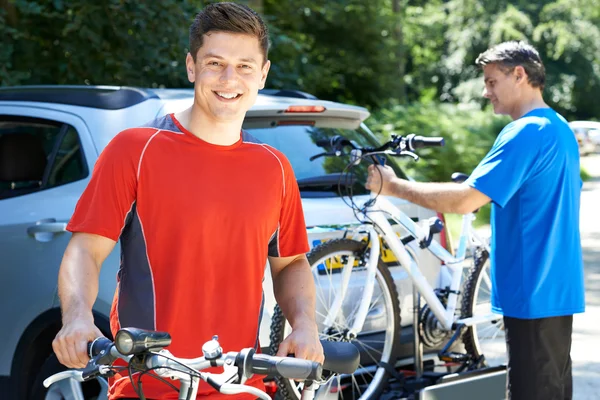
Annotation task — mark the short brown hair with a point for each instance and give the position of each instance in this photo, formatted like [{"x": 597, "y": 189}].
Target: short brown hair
[
  {"x": 508, "y": 55},
  {"x": 228, "y": 17}
]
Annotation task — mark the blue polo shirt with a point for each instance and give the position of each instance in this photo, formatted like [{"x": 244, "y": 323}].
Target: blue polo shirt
[{"x": 532, "y": 176}]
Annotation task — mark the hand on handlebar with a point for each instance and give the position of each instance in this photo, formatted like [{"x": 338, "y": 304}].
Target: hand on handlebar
[
  {"x": 132, "y": 343},
  {"x": 304, "y": 343},
  {"x": 70, "y": 344},
  {"x": 381, "y": 177}
]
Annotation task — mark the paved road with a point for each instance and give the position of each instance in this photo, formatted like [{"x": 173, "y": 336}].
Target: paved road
[{"x": 586, "y": 327}]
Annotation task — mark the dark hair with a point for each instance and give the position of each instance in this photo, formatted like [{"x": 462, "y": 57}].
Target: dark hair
[
  {"x": 508, "y": 55},
  {"x": 228, "y": 17}
]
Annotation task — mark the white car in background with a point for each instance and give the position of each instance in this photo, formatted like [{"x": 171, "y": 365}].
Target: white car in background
[{"x": 588, "y": 135}]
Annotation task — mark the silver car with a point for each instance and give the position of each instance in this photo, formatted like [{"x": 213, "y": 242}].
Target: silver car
[
  {"x": 588, "y": 136},
  {"x": 50, "y": 138}
]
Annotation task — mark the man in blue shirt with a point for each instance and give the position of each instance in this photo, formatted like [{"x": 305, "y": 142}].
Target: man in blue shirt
[{"x": 531, "y": 176}]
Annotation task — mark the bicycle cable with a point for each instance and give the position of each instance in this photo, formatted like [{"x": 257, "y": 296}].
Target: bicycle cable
[{"x": 139, "y": 391}]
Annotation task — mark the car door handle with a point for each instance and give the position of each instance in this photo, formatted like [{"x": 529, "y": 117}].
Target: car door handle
[
  {"x": 48, "y": 227},
  {"x": 45, "y": 230}
]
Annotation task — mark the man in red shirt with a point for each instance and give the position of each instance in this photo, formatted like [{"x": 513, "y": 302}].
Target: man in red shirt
[{"x": 198, "y": 206}]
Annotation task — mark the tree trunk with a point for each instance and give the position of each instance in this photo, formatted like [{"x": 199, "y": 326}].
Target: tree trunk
[
  {"x": 398, "y": 10},
  {"x": 11, "y": 12}
]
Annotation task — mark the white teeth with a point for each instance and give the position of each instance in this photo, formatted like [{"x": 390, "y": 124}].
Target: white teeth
[{"x": 227, "y": 95}]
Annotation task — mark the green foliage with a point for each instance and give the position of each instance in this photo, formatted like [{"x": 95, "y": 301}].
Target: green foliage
[
  {"x": 424, "y": 27},
  {"x": 585, "y": 176},
  {"x": 366, "y": 52},
  {"x": 566, "y": 33},
  {"x": 468, "y": 132},
  {"x": 337, "y": 50},
  {"x": 115, "y": 42}
]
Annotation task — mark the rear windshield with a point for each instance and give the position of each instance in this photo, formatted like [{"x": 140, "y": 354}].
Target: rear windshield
[{"x": 320, "y": 177}]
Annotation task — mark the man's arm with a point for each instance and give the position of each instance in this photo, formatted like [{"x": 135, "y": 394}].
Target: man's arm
[
  {"x": 442, "y": 197},
  {"x": 294, "y": 290},
  {"x": 77, "y": 290},
  {"x": 448, "y": 197}
]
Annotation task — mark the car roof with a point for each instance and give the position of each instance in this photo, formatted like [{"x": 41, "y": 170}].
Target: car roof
[
  {"x": 102, "y": 97},
  {"x": 269, "y": 102}
]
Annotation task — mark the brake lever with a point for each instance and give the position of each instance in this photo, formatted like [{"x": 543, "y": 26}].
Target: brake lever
[
  {"x": 317, "y": 156},
  {"x": 337, "y": 153},
  {"x": 97, "y": 365},
  {"x": 93, "y": 370},
  {"x": 407, "y": 153}
]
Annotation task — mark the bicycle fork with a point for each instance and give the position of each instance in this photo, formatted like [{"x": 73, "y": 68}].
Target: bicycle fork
[{"x": 365, "y": 301}]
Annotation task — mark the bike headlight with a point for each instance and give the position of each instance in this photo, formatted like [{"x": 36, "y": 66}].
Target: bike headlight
[
  {"x": 124, "y": 342},
  {"x": 129, "y": 341}
]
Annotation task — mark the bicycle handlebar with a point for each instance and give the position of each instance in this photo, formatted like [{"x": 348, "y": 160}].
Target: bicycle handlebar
[
  {"x": 77, "y": 375},
  {"x": 418, "y": 142},
  {"x": 397, "y": 146},
  {"x": 248, "y": 363},
  {"x": 104, "y": 352},
  {"x": 97, "y": 346},
  {"x": 287, "y": 367}
]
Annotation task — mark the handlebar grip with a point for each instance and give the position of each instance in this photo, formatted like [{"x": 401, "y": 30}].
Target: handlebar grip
[
  {"x": 94, "y": 348},
  {"x": 290, "y": 368},
  {"x": 323, "y": 142},
  {"x": 330, "y": 142},
  {"x": 335, "y": 142},
  {"x": 418, "y": 142}
]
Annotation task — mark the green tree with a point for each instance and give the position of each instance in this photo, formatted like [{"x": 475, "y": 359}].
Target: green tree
[
  {"x": 114, "y": 42},
  {"x": 565, "y": 32},
  {"x": 338, "y": 50}
]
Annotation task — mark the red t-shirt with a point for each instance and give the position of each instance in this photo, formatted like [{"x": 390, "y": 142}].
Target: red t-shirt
[{"x": 196, "y": 222}]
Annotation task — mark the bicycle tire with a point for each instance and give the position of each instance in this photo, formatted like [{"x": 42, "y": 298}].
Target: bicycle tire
[
  {"x": 288, "y": 389},
  {"x": 474, "y": 288}
]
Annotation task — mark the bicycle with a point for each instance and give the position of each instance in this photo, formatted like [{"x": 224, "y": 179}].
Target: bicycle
[
  {"x": 358, "y": 300},
  {"x": 144, "y": 351}
]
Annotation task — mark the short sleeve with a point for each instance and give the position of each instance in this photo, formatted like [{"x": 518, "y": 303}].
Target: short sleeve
[
  {"x": 508, "y": 164},
  {"x": 291, "y": 234},
  {"x": 111, "y": 192}
]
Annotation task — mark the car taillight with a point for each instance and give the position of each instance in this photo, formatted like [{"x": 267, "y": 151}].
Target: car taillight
[{"x": 305, "y": 109}]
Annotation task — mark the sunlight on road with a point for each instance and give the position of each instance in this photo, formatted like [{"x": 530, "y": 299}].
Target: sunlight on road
[{"x": 585, "y": 351}]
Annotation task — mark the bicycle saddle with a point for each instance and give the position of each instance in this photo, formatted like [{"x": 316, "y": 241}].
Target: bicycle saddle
[
  {"x": 459, "y": 177},
  {"x": 340, "y": 357}
]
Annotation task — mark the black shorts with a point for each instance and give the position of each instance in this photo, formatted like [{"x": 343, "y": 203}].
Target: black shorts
[{"x": 539, "y": 358}]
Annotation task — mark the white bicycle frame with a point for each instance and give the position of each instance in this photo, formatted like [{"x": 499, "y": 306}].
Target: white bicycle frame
[{"x": 378, "y": 213}]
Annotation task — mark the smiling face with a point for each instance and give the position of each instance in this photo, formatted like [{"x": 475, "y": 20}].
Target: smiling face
[{"x": 227, "y": 74}]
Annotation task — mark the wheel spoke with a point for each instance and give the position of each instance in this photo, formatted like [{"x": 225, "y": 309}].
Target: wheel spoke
[
  {"x": 381, "y": 317},
  {"x": 355, "y": 383},
  {"x": 486, "y": 338}
]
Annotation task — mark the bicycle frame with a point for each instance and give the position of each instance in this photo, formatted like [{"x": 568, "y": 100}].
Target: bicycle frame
[{"x": 378, "y": 213}]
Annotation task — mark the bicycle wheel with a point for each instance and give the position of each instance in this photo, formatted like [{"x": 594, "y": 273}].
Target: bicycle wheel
[
  {"x": 379, "y": 338},
  {"x": 487, "y": 338}
]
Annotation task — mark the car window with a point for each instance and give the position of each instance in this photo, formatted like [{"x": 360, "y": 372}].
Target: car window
[
  {"x": 320, "y": 177},
  {"x": 38, "y": 154},
  {"x": 69, "y": 163}
]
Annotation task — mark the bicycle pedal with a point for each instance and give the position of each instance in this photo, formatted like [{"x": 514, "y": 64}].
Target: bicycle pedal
[{"x": 453, "y": 357}]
